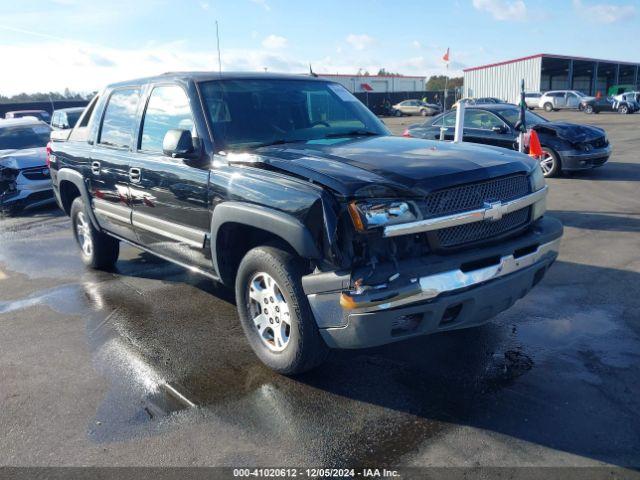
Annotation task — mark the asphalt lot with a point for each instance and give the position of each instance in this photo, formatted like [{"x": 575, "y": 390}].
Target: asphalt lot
[{"x": 148, "y": 365}]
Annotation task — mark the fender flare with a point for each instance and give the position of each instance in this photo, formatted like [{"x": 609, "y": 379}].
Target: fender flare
[
  {"x": 75, "y": 177},
  {"x": 281, "y": 224}
]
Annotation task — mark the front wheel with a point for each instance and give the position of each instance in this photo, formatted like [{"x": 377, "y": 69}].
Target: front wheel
[
  {"x": 549, "y": 162},
  {"x": 97, "y": 249},
  {"x": 623, "y": 109},
  {"x": 548, "y": 107},
  {"x": 424, "y": 113},
  {"x": 275, "y": 313},
  {"x": 588, "y": 109},
  {"x": 398, "y": 113}
]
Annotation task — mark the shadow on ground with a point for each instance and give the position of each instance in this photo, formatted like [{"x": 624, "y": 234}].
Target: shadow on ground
[{"x": 606, "y": 221}]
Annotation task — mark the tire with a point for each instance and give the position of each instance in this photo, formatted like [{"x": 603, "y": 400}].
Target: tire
[
  {"x": 423, "y": 113},
  {"x": 588, "y": 109},
  {"x": 623, "y": 109},
  {"x": 266, "y": 276},
  {"x": 548, "y": 107},
  {"x": 98, "y": 250},
  {"x": 398, "y": 113},
  {"x": 550, "y": 162}
]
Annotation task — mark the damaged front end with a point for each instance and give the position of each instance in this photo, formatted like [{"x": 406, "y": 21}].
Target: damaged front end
[
  {"x": 8, "y": 186},
  {"x": 412, "y": 266}
]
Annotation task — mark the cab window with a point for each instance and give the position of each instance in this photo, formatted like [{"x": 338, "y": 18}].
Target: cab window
[
  {"x": 167, "y": 109},
  {"x": 119, "y": 118}
]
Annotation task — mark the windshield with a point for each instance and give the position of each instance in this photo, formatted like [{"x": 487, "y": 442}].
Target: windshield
[
  {"x": 24, "y": 136},
  {"x": 256, "y": 112},
  {"x": 511, "y": 115}
]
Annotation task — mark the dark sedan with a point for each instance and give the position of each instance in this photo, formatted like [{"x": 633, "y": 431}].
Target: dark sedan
[{"x": 566, "y": 146}]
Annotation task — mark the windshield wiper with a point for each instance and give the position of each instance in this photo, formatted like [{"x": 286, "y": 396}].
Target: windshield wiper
[
  {"x": 280, "y": 141},
  {"x": 353, "y": 133}
]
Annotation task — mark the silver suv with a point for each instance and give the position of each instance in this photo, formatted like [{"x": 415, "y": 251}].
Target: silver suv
[{"x": 562, "y": 99}]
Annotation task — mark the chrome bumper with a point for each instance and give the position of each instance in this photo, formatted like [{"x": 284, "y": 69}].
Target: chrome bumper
[{"x": 429, "y": 287}]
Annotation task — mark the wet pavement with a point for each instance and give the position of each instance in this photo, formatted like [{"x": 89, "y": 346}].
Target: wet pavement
[{"x": 147, "y": 365}]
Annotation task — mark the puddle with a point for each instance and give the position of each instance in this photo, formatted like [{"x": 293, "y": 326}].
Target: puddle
[{"x": 65, "y": 299}]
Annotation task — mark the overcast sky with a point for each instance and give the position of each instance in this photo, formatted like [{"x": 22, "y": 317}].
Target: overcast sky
[{"x": 85, "y": 44}]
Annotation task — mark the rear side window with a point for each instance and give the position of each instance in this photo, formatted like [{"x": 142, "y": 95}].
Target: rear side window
[
  {"x": 119, "y": 118},
  {"x": 168, "y": 109},
  {"x": 448, "y": 120}
]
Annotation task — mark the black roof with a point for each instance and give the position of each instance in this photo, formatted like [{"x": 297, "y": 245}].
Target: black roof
[{"x": 205, "y": 76}]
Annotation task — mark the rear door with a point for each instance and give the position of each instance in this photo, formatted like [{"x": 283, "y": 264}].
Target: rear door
[
  {"x": 110, "y": 162},
  {"x": 169, "y": 195}
]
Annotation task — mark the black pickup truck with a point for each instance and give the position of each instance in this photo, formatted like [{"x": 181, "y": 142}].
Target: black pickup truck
[{"x": 333, "y": 233}]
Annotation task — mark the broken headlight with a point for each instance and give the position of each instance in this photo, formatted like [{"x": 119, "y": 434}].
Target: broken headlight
[{"x": 370, "y": 214}]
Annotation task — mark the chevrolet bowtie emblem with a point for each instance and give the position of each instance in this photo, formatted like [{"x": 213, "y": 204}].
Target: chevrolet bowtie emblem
[{"x": 493, "y": 211}]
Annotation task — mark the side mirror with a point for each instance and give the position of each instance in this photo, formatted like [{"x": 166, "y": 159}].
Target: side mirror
[{"x": 178, "y": 144}]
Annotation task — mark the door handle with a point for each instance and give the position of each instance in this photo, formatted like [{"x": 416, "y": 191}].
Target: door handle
[
  {"x": 95, "y": 168},
  {"x": 134, "y": 175}
]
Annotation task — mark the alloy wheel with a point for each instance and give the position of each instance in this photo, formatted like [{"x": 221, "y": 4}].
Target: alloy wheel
[
  {"x": 547, "y": 162},
  {"x": 83, "y": 234},
  {"x": 270, "y": 312}
]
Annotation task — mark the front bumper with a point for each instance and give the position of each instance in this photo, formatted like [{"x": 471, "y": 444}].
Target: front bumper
[
  {"x": 576, "y": 160},
  {"x": 433, "y": 294},
  {"x": 29, "y": 193}
]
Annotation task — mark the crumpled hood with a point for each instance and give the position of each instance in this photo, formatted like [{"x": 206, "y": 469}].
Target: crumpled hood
[
  {"x": 25, "y": 158},
  {"x": 570, "y": 132},
  {"x": 400, "y": 166}
]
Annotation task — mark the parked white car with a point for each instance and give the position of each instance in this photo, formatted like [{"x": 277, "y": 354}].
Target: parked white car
[
  {"x": 532, "y": 99},
  {"x": 562, "y": 99}
]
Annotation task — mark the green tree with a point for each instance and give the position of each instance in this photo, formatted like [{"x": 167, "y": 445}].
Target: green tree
[{"x": 436, "y": 82}]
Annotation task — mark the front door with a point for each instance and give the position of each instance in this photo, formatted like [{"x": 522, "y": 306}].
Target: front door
[
  {"x": 110, "y": 163},
  {"x": 171, "y": 213},
  {"x": 482, "y": 126}
]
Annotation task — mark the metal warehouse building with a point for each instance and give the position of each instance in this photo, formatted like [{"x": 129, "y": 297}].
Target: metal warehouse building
[
  {"x": 543, "y": 72},
  {"x": 377, "y": 83}
]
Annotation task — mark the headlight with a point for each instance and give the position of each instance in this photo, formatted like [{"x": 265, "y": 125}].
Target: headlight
[
  {"x": 370, "y": 214},
  {"x": 537, "y": 179},
  {"x": 538, "y": 182}
]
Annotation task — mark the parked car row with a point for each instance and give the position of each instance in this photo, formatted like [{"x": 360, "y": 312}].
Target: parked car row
[
  {"x": 566, "y": 146},
  {"x": 624, "y": 103}
]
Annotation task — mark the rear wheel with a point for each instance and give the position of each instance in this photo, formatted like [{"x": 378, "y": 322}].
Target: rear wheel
[
  {"x": 423, "y": 112},
  {"x": 549, "y": 162},
  {"x": 548, "y": 107},
  {"x": 98, "y": 250},
  {"x": 274, "y": 311}
]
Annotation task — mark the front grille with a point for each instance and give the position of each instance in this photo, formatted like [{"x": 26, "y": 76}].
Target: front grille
[
  {"x": 473, "y": 196},
  {"x": 36, "y": 173},
  {"x": 474, "y": 232}
]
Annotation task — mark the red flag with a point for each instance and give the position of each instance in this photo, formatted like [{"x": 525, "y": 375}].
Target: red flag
[
  {"x": 535, "y": 149},
  {"x": 445, "y": 57}
]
